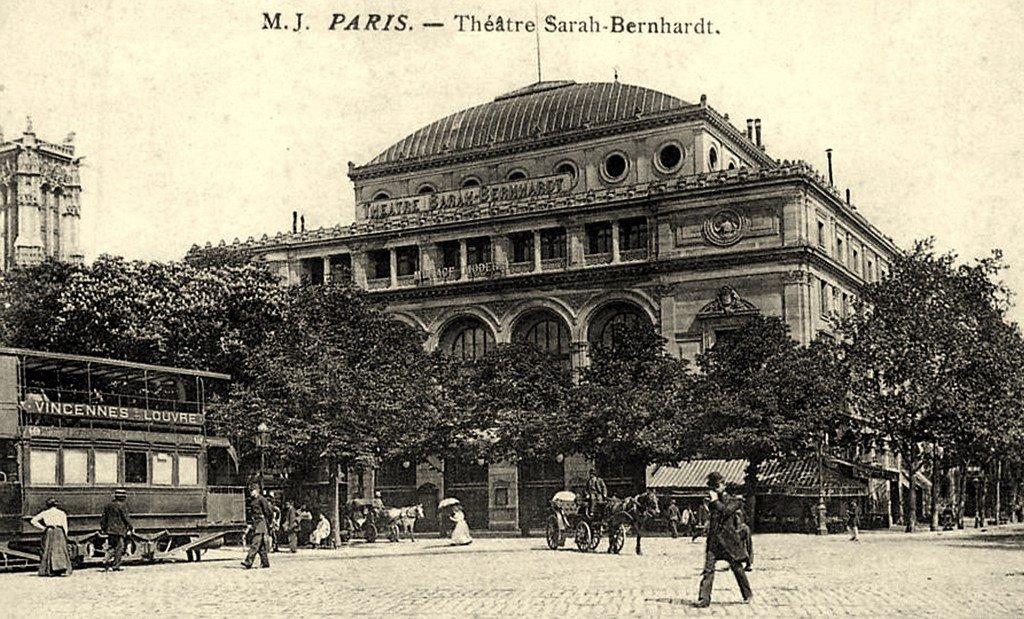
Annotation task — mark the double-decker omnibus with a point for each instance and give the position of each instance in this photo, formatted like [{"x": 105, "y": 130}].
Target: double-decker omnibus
[{"x": 76, "y": 428}]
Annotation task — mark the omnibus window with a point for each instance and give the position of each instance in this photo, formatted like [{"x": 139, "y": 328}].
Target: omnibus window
[
  {"x": 76, "y": 466},
  {"x": 42, "y": 467},
  {"x": 136, "y": 467},
  {"x": 163, "y": 469},
  {"x": 106, "y": 467},
  {"x": 188, "y": 471}
]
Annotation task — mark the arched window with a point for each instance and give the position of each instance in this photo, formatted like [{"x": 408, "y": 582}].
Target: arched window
[
  {"x": 466, "y": 339},
  {"x": 546, "y": 331},
  {"x": 613, "y": 318}
]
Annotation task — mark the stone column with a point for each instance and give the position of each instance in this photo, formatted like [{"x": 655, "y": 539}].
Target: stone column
[
  {"x": 615, "y": 241},
  {"x": 393, "y": 266},
  {"x": 499, "y": 247},
  {"x": 504, "y": 476},
  {"x": 327, "y": 269},
  {"x": 536, "y": 251},
  {"x": 463, "y": 264},
  {"x": 359, "y": 269},
  {"x": 426, "y": 262},
  {"x": 576, "y": 236}
]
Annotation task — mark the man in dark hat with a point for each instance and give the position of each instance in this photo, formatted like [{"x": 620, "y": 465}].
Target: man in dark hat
[
  {"x": 596, "y": 491},
  {"x": 724, "y": 542},
  {"x": 117, "y": 525},
  {"x": 260, "y": 517}
]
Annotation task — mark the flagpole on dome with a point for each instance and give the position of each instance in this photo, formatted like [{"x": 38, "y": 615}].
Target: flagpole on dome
[{"x": 536, "y": 32}]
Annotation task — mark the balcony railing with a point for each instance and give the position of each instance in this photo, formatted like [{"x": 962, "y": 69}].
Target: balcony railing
[
  {"x": 632, "y": 255},
  {"x": 552, "y": 264},
  {"x": 515, "y": 268},
  {"x": 407, "y": 280},
  {"x": 378, "y": 284},
  {"x": 602, "y": 258}
]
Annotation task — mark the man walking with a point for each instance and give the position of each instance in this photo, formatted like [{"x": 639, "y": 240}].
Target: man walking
[
  {"x": 116, "y": 524},
  {"x": 723, "y": 543},
  {"x": 686, "y": 518},
  {"x": 291, "y": 524},
  {"x": 673, "y": 517},
  {"x": 853, "y": 520},
  {"x": 260, "y": 516}
]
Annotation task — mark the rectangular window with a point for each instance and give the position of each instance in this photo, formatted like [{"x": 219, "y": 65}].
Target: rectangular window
[
  {"x": 313, "y": 270},
  {"x": 552, "y": 243},
  {"x": 449, "y": 254},
  {"x": 824, "y": 297},
  {"x": 522, "y": 246},
  {"x": 840, "y": 255},
  {"x": 42, "y": 467},
  {"x": 633, "y": 234},
  {"x": 501, "y": 497},
  {"x": 380, "y": 264},
  {"x": 408, "y": 260},
  {"x": 870, "y": 274},
  {"x": 856, "y": 261},
  {"x": 163, "y": 469},
  {"x": 105, "y": 465},
  {"x": 136, "y": 467},
  {"x": 599, "y": 238},
  {"x": 478, "y": 250},
  {"x": 821, "y": 234},
  {"x": 76, "y": 466},
  {"x": 341, "y": 267},
  {"x": 188, "y": 471}
]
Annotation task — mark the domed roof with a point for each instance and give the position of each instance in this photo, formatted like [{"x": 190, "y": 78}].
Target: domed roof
[{"x": 541, "y": 109}]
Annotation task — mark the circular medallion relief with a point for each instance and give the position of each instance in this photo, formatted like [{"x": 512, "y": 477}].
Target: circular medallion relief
[{"x": 723, "y": 228}]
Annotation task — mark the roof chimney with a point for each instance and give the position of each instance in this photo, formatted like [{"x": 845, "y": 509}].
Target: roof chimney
[
  {"x": 757, "y": 131},
  {"x": 828, "y": 153},
  {"x": 750, "y": 129},
  {"x": 295, "y": 222},
  {"x": 847, "y": 196},
  {"x": 302, "y": 222}
]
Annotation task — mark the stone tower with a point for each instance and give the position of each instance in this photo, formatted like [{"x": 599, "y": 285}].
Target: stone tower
[{"x": 39, "y": 200}]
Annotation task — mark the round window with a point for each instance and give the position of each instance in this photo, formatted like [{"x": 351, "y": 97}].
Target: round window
[
  {"x": 669, "y": 158},
  {"x": 615, "y": 166},
  {"x": 568, "y": 168},
  {"x": 713, "y": 158}
]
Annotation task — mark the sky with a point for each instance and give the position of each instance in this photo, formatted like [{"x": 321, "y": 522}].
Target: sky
[{"x": 199, "y": 125}]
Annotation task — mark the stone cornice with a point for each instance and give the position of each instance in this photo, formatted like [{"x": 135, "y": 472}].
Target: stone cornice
[{"x": 691, "y": 186}]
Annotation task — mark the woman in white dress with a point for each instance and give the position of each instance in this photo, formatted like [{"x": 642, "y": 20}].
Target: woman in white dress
[
  {"x": 460, "y": 535},
  {"x": 321, "y": 533}
]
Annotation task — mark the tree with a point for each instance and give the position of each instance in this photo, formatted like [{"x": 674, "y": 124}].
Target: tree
[
  {"x": 339, "y": 383},
  {"x": 150, "y": 312},
  {"x": 925, "y": 358},
  {"x": 630, "y": 397},
  {"x": 766, "y": 397}
]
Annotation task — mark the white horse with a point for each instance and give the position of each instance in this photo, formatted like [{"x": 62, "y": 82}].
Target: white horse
[{"x": 406, "y": 517}]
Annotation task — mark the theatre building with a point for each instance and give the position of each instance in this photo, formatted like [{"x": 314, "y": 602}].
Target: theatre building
[{"x": 559, "y": 209}]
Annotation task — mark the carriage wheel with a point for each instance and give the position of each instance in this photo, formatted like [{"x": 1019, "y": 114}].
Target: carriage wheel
[
  {"x": 584, "y": 538},
  {"x": 554, "y": 535},
  {"x": 394, "y": 534},
  {"x": 595, "y": 537},
  {"x": 370, "y": 532},
  {"x": 617, "y": 538}
]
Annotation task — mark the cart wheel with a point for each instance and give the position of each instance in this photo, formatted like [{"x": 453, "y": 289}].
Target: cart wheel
[
  {"x": 394, "y": 534},
  {"x": 554, "y": 535},
  {"x": 370, "y": 532},
  {"x": 584, "y": 538},
  {"x": 595, "y": 538},
  {"x": 617, "y": 538}
]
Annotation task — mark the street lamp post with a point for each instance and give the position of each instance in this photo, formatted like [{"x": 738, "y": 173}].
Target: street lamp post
[
  {"x": 822, "y": 525},
  {"x": 264, "y": 432}
]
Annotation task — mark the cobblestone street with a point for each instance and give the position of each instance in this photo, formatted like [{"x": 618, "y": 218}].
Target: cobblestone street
[{"x": 956, "y": 574}]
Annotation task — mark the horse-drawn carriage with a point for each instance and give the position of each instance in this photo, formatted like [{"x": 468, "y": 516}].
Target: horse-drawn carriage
[
  {"x": 372, "y": 517},
  {"x": 567, "y": 514}
]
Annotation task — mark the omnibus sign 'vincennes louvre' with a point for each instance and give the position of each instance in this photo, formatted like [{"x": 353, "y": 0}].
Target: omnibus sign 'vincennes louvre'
[
  {"x": 113, "y": 413},
  {"x": 468, "y": 196}
]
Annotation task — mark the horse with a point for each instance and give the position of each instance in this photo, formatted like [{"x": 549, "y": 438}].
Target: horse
[
  {"x": 636, "y": 510},
  {"x": 406, "y": 517}
]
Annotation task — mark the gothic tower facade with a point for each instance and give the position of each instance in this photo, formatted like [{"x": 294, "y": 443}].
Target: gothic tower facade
[{"x": 40, "y": 206}]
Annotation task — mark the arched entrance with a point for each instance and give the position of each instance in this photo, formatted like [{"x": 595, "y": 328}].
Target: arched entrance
[
  {"x": 612, "y": 317},
  {"x": 466, "y": 338}
]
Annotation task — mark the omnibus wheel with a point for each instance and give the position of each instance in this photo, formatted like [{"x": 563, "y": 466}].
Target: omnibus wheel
[{"x": 584, "y": 536}]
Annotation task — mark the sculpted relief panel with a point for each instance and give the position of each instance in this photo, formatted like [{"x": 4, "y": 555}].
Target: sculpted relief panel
[{"x": 726, "y": 226}]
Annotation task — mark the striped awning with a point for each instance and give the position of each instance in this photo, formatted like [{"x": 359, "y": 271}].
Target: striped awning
[{"x": 693, "y": 474}]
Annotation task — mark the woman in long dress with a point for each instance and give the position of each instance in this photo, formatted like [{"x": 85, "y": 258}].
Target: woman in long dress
[
  {"x": 321, "y": 533},
  {"x": 55, "y": 560},
  {"x": 460, "y": 534}
]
